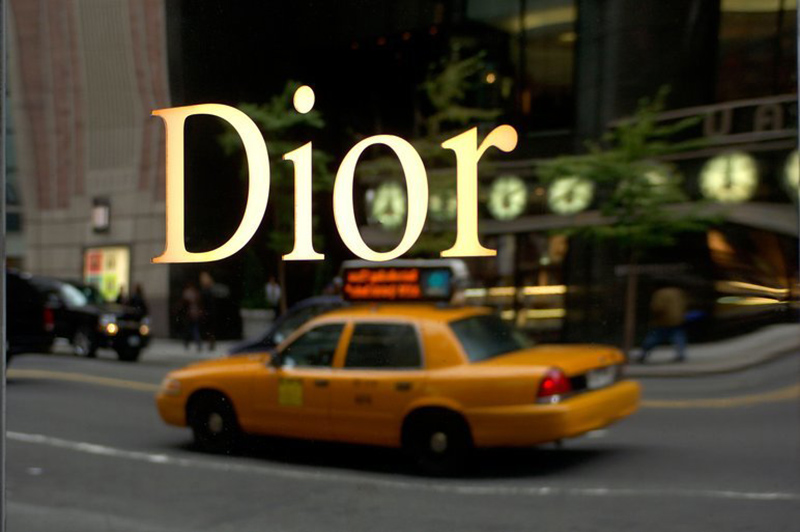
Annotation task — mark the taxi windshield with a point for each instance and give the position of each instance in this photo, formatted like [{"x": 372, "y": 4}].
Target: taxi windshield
[{"x": 488, "y": 336}]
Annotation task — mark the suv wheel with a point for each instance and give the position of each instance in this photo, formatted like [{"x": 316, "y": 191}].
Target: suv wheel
[
  {"x": 129, "y": 354},
  {"x": 83, "y": 343}
]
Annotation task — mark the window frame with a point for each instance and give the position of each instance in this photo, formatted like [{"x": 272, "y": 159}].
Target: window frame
[{"x": 302, "y": 332}]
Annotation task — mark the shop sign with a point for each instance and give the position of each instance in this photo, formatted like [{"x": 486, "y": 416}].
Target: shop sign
[{"x": 468, "y": 153}]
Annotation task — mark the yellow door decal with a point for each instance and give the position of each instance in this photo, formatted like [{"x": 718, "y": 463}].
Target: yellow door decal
[{"x": 290, "y": 392}]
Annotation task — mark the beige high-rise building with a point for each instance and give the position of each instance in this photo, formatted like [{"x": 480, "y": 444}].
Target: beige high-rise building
[{"x": 84, "y": 76}]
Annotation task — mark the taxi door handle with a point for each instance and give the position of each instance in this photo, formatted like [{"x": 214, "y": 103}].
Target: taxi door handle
[
  {"x": 402, "y": 386},
  {"x": 321, "y": 383}
]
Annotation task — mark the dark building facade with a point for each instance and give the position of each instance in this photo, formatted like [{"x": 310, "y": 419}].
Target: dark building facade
[{"x": 562, "y": 72}]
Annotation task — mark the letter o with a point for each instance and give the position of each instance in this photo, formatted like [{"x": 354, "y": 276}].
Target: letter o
[{"x": 416, "y": 186}]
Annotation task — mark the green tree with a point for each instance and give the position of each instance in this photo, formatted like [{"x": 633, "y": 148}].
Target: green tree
[
  {"x": 643, "y": 203},
  {"x": 446, "y": 89},
  {"x": 284, "y": 130}
]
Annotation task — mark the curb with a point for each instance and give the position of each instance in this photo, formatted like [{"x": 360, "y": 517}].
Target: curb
[{"x": 675, "y": 373}]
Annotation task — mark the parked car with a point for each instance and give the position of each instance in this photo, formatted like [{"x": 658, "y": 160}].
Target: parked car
[
  {"x": 287, "y": 323},
  {"x": 89, "y": 323},
  {"x": 30, "y": 326},
  {"x": 434, "y": 381}
]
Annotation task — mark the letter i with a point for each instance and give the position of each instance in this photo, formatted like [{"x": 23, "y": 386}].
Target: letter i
[{"x": 301, "y": 158}]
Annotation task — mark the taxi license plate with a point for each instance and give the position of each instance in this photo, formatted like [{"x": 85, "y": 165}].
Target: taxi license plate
[
  {"x": 134, "y": 341},
  {"x": 601, "y": 377}
]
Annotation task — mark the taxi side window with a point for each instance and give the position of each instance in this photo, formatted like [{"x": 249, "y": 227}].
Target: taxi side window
[
  {"x": 315, "y": 348},
  {"x": 383, "y": 346}
]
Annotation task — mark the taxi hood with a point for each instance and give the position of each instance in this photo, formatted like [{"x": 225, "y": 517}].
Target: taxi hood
[
  {"x": 228, "y": 362},
  {"x": 572, "y": 359}
]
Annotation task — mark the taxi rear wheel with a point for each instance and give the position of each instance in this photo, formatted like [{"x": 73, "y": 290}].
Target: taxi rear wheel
[
  {"x": 438, "y": 443},
  {"x": 213, "y": 423}
]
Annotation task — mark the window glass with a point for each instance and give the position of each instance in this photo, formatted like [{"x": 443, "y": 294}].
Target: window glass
[
  {"x": 73, "y": 296},
  {"x": 315, "y": 348},
  {"x": 383, "y": 345},
  {"x": 488, "y": 336},
  {"x": 757, "y": 49},
  {"x": 291, "y": 323}
]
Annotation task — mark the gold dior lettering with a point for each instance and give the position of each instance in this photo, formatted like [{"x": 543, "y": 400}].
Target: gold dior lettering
[{"x": 467, "y": 151}]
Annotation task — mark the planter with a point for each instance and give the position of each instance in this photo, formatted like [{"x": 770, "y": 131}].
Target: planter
[{"x": 255, "y": 322}]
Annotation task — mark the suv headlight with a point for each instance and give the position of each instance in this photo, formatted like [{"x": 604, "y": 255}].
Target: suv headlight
[{"x": 108, "y": 322}]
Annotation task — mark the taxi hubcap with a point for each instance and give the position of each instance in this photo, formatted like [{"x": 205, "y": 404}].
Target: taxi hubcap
[
  {"x": 439, "y": 442},
  {"x": 215, "y": 423}
]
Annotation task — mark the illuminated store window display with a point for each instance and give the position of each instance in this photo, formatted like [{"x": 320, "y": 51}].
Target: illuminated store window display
[
  {"x": 424, "y": 264},
  {"x": 108, "y": 270}
]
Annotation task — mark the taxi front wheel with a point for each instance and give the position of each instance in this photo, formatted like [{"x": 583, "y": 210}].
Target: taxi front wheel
[
  {"x": 213, "y": 423},
  {"x": 439, "y": 443}
]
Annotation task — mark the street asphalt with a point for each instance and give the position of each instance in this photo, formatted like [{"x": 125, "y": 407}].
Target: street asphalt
[{"x": 87, "y": 452}]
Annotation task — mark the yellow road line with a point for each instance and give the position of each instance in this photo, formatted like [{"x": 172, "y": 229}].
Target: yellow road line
[
  {"x": 782, "y": 394},
  {"x": 80, "y": 377}
]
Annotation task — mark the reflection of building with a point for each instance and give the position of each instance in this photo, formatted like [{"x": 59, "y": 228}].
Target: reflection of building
[
  {"x": 15, "y": 241},
  {"x": 84, "y": 77},
  {"x": 565, "y": 71}
]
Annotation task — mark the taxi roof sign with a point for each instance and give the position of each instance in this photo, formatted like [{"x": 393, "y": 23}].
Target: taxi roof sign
[{"x": 403, "y": 280}]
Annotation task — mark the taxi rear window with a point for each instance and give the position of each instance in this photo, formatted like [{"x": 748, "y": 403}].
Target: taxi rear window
[
  {"x": 487, "y": 336},
  {"x": 383, "y": 346}
]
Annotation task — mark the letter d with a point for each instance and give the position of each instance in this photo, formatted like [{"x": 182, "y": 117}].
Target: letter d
[{"x": 258, "y": 181}]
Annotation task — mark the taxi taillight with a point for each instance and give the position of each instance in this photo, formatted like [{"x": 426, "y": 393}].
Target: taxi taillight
[
  {"x": 553, "y": 386},
  {"x": 49, "y": 320}
]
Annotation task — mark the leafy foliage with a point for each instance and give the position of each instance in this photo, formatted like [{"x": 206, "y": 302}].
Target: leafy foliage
[
  {"x": 446, "y": 89},
  {"x": 638, "y": 194}
]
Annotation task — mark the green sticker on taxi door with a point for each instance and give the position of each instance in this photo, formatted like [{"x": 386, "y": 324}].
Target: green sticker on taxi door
[{"x": 290, "y": 392}]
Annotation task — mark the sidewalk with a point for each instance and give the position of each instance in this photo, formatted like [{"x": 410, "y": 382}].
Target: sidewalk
[
  {"x": 725, "y": 356},
  {"x": 170, "y": 349}
]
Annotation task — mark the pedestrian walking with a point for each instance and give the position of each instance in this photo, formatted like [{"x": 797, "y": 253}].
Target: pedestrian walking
[
  {"x": 192, "y": 313},
  {"x": 208, "y": 301},
  {"x": 272, "y": 292},
  {"x": 667, "y": 319},
  {"x": 137, "y": 300}
]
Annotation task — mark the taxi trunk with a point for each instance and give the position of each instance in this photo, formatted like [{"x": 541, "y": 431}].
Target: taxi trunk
[{"x": 573, "y": 360}]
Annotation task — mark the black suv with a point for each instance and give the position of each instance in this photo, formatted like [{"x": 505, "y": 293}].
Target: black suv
[
  {"x": 88, "y": 322},
  {"x": 31, "y": 322}
]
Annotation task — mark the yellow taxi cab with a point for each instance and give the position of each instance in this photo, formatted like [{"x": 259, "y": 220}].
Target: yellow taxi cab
[{"x": 435, "y": 381}]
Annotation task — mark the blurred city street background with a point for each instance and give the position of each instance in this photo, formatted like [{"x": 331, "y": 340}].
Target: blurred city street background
[{"x": 651, "y": 204}]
